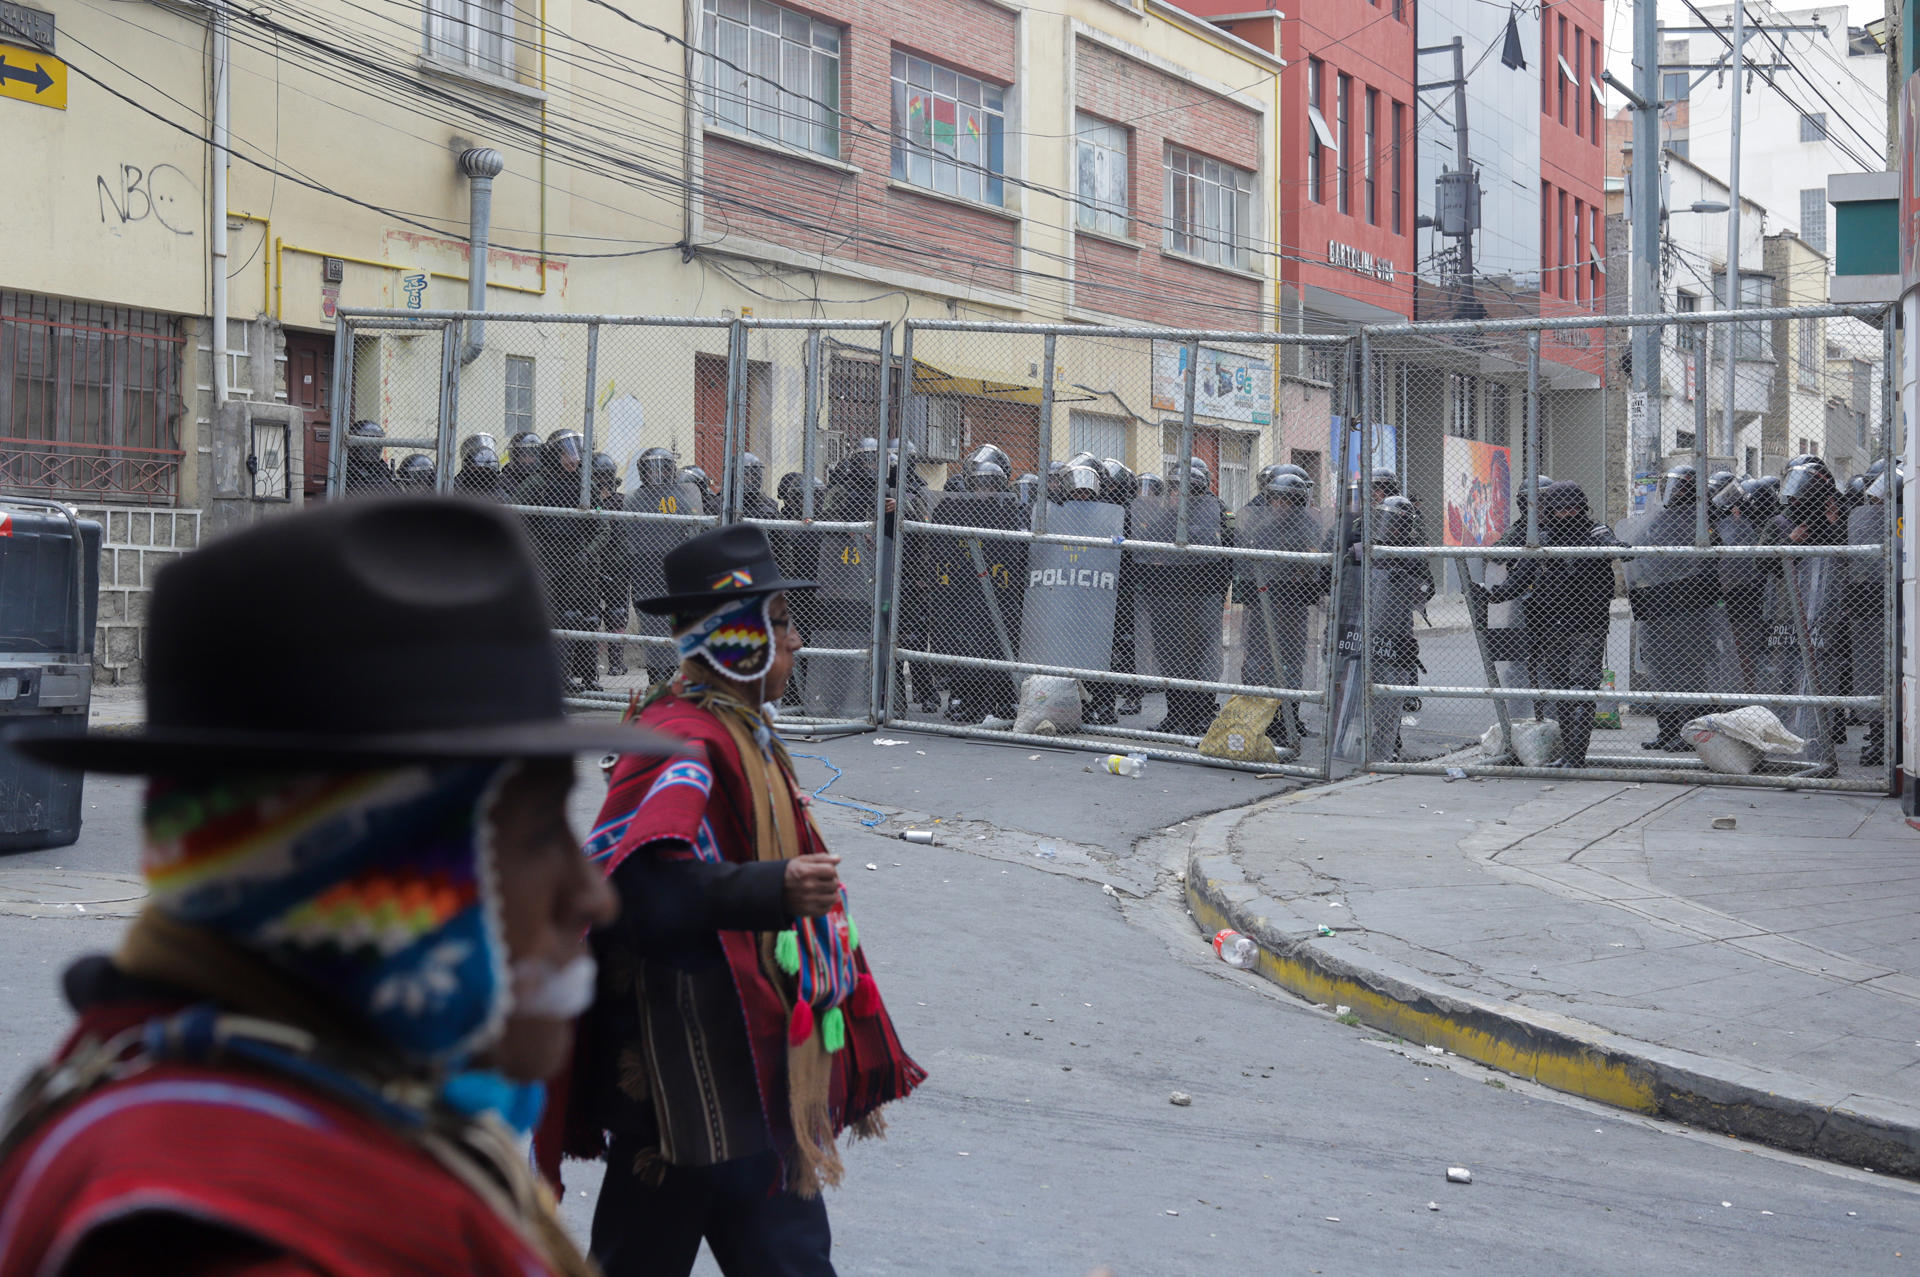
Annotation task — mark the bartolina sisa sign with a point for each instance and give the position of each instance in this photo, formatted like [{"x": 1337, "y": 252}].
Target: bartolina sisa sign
[{"x": 1359, "y": 261}]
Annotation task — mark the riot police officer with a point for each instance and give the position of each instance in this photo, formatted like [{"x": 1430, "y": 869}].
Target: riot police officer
[
  {"x": 754, "y": 501},
  {"x": 523, "y": 462},
  {"x": 697, "y": 478},
  {"x": 1674, "y": 599},
  {"x": 607, "y": 552},
  {"x": 1808, "y": 593},
  {"x": 367, "y": 473},
  {"x": 1569, "y": 603},
  {"x": 1741, "y": 510},
  {"x": 652, "y": 488},
  {"x": 1279, "y": 597},
  {"x": 560, "y": 543},
  {"x": 1185, "y": 597},
  {"x": 1107, "y": 701},
  {"x": 972, "y": 590},
  {"x": 479, "y": 473}
]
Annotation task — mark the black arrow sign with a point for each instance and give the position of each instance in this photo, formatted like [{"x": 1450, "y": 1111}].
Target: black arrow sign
[{"x": 37, "y": 77}]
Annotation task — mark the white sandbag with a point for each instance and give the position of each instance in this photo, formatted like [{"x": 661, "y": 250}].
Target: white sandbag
[
  {"x": 1535, "y": 742},
  {"x": 1735, "y": 741},
  {"x": 1049, "y": 706}
]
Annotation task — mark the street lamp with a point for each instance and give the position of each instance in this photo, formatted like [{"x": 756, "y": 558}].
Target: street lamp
[{"x": 1708, "y": 206}]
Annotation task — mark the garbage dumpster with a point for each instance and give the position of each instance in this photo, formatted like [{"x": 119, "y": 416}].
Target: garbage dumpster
[{"x": 49, "y": 597}]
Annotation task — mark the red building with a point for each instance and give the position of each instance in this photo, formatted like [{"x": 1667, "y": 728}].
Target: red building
[{"x": 1573, "y": 164}]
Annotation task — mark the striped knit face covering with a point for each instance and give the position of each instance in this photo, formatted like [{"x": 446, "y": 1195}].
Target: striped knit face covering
[
  {"x": 377, "y": 888},
  {"x": 735, "y": 638}
]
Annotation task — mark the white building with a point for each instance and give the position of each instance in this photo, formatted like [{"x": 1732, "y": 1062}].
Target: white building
[{"x": 1815, "y": 104}]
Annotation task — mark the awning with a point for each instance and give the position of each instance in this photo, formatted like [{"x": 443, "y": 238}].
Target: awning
[
  {"x": 980, "y": 384},
  {"x": 1566, "y": 69}
]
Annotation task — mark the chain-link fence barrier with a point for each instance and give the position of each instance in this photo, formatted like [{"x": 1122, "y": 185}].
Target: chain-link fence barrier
[
  {"x": 1466, "y": 546},
  {"x": 618, "y": 438},
  {"x": 1538, "y": 607}
]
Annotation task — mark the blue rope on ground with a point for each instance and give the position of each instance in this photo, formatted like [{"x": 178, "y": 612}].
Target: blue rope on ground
[{"x": 820, "y": 793}]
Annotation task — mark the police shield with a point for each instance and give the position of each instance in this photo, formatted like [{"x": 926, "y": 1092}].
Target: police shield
[
  {"x": 1072, "y": 589},
  {"x": 1807, "y": 650},
  {"x": 1387, "y": 624},
  {"x": 648, "y": 538},
  {"x": 1279, "y": 597},
  {"x": 1180, "y": 596},
  {"x": 837, "y": 686}
]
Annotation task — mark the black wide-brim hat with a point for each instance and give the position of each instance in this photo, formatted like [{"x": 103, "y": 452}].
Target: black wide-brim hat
[
  {"x": 370, "y": 633},
  {"x": 726, "y": 563}
]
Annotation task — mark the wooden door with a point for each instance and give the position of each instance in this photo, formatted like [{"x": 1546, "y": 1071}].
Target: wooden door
[
  {"x": 710, "y": 415},
  {"x": 310, "y": 388}
]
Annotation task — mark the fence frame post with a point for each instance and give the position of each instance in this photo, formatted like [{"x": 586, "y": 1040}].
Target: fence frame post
[
  {"x": 810, "y": 424},
  {"x": 1181, "y": 526},
  {"x": 1045, "y": 451},
  {"x": 880, "y": 680},
  {"x": 1890, "y": 538},
  {"x": 449, "y": 423},
  {"x": 1363, "y": 466},
  {"x": 343, "y": 345},
  {"x": 586, "y": 416}
]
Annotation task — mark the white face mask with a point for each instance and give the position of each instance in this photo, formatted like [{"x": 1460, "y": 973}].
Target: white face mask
[{"x": 547, "y": 992}]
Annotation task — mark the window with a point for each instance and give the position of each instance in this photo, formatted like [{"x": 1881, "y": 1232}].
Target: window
[
  {"x": 1548, "y": 280},
  {"x": 1398, "y": 142},
  {"x": 1499, "y": 412},
  {"x": 519, "y": 395},
  {"x": 948, "y": 130},
  {"x": 1813, "y": 128},
  {"x": 1236, "y": 469},
  {"x": 1753, "y": 461},
  {"x": 1463, "y": 419},
  {"x": 1344, "y": 161},
  {"x": 774, "y": 74},
  {"x": 1579, "y": 238},
  {"x": 1372, "y": 157},
  {"x": 1566, "y": 72},
  {"x": 477, "y": 34},
  {"x": 1100, "y": 175},
  {"x": 1674, "y": 86},
  {"x": 1683, "y": 440},
  {"x": 1753, "y": 338},
  {"x": 1209, "y": 209},
  {"x": 1595, "y": 253},
  {"x": 1595, "y": 99},
  {"x": 1097, "y": 433},
  {"x": 1686, "y": 336},
  {"x": 1564, "y": 288},
  {"x": 1679, "y": 147},
  {"x": 1579, "y": 79},
  {"x": 1813, "y": 217},
  {"x": 1809, "y": 362},
  {"x": 1320, "y": 138}
]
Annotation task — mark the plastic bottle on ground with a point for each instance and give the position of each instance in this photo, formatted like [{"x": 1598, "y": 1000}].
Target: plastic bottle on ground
[
  {"x": 1126, "y": 764},
  {"x": 1235, "y": 949}
]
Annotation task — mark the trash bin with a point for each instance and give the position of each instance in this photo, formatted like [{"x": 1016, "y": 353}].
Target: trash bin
[{"x": 49, "y": 597}]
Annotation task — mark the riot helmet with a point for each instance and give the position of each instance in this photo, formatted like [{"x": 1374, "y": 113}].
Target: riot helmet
[
  {"x": 1804, "y": 491},
  {"x": 697, "y": 477},
  {"x": 1805, "y": 459},
  {"x": 1152, "y": 485},
  {"x": 1290, "y": 489},
  {"x": 985, "y": 476},
  {"x": 1199, "y": 475},
  {"x": 605, "y": 468},
  {"x": 753, "y": 474},
  {"x": 1028, "y": 486},
  {"x": 367, "y": 460},
  {"x": 1877, "y": 490},
  {"x": 1728, "y": 497},
  {"x": 1117, "y": 482},
  {"x": 655, "y": 468},
  {"x": 1760, "y": 498},
  {"x": 1677, "y": 484},
  {"x": 1541, "y": 482},
  {"x": 1081, "y": 483},
  {"x": 482, "y": 459},
  {"x": 366, "y": 430},
  {"x": 564, "y": 449},
  {"x": 1398, "y": 522},
  {"x": 1718, "y": 481},
  {"x": 789, "y": 489},
  {"x": 1267, "y": 472},
  {"x": 524, "y": 448},
  {"x": 481, "y": 442},
  {"x": 1084, "y": 458},
  {"x": 992, "y": 452},
  {"x": 416, "y": 472},
  {"x": 1385, "y": 483}
]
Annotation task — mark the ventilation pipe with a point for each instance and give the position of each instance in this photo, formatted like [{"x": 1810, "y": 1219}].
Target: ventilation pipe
[{"x": 481, "y": 165}]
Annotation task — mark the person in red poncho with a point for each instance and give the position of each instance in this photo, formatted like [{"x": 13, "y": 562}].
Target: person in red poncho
[
  {"x": 317, "y": 1048},
  {"x": 738, "y": 1031}
]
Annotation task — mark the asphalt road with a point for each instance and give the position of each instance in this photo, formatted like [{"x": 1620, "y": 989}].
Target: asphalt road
[{"x": 1056, "y": 1019}]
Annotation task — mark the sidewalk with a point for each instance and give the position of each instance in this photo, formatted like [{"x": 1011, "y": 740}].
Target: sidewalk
[{"x": 1605, "y": 939}]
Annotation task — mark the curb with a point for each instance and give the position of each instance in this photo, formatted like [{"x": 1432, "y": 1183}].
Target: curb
[{"x": 1782, "y": 1110}]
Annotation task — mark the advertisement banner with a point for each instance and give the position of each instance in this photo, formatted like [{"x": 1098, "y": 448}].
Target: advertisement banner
[
  {"x": 1386, "y": 447},
  {"x": 1479, "y": 491},
  {"x": 1228, "y": 385}
]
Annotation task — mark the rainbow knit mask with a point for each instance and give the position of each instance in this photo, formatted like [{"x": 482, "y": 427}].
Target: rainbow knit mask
[
  {"x": 735, "y": 638},
  {"x": 376, "y": 887}
]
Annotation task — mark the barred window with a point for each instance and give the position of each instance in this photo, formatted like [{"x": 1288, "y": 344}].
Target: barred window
[
  {"x": 519, "y": 407},
  {"x": 1813, "y": 217},
  {"x": 1813, "y": 127},
  {"x": 948, "y": 130},
  {"x": 89, "y": 404},
  {"x": 477, "y": 34},
  {"x": 1100, "y": 175},
  {"x": 774, "y": 74},
  {"x": 1209, "y": 209}
]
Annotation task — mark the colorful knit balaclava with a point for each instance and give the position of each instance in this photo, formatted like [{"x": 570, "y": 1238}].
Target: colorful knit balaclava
[
  {"x": 375, "y": 887},
  {"x": 735, "y": 638}
]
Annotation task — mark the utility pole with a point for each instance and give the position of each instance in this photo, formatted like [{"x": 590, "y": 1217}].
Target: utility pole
[
  {"x": 1462, "y": 162},
  {"x": 1456, "y": 204},
  {"x": 1733, "y": 225},
  {"x": 1643, "y": 408}
]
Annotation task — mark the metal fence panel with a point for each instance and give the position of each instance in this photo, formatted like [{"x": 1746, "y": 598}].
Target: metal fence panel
[{"x": 1392, "y": 634}]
